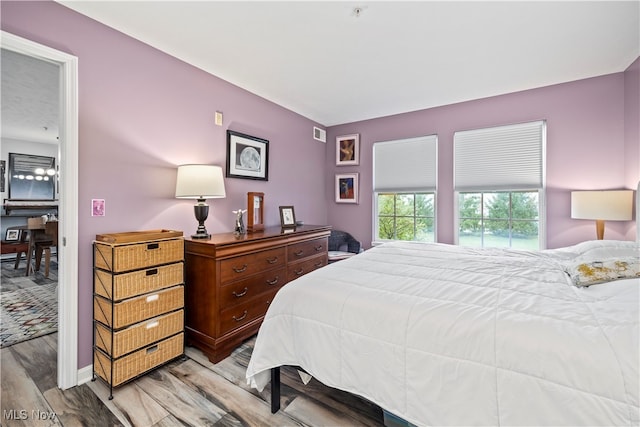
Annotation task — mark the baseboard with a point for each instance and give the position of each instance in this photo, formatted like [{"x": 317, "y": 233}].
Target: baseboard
[{"x": 85, "y": 374}]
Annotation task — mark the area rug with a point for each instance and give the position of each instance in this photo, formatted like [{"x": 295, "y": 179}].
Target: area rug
[{"x": 28, "y": 313}]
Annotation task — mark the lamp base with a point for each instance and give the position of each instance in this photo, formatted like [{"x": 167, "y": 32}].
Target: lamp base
[
  {"x": 201, "y": 210},
  {"x": 204, "y": 235}
]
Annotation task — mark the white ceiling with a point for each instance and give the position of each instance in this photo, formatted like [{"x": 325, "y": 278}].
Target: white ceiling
[{"x": 333, "y": 65}]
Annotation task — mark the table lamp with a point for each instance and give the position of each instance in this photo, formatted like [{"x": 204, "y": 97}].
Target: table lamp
[
  {"x": 603, "y": 205},
  {"x": 200, "y": 182}
]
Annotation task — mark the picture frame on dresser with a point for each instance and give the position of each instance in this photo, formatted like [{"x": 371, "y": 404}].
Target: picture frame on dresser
[
  {"x": 255, "y": 211},
  {"x": 247, "y": 156},
  {"x": 287, "y": 217},
  {"x": 12, "y": 235}
]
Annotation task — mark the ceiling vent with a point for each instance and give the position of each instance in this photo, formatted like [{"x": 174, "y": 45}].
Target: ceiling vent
[{"x": 319, "y": 134}]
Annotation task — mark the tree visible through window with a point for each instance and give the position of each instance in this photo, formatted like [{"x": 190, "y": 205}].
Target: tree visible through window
[
  {"x": 406, "y": 216},
  {"x": 499, "y": 219}
]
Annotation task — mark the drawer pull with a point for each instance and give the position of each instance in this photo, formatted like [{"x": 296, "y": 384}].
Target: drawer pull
[
  {"x": 152, "y": 246},
  {"x": 273, "y": 260},
  {"x": 240, "y": 294},
  {"x": 152, "y": 349},
  {"x": 299, "y": 253},
  {"x": 151, "y": 298},
  {"x": 318, "y": 265},
  {"x": 318, "y": 248},
  {"x": 299, "y": 272},
  {"x": 152, "y": 272},
  {"x": 238, "y": 319},
  {"x": 273, "y": 282},
  {"x": 240, "y": 269},
  {"x": 152, "y": 324}
]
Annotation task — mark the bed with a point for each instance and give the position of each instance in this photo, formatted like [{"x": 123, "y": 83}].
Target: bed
[{"x": 445, "y": 335}]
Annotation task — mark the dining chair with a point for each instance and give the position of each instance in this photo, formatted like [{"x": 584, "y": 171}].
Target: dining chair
[{"x": 44, "y": 245}]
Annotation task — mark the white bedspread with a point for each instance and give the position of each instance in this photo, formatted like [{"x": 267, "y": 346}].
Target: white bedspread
[{"x": 445, "y": 335}]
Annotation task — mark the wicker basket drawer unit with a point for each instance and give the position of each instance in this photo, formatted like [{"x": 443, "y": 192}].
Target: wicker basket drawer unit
[
  {"x": 119, "y": 371},
  {"x": 138, "y": 303}
]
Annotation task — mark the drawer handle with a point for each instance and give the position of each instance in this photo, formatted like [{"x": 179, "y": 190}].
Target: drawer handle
[
  {"x": 151, "y": 298},
  {"x": 299, "y": 253},
  {"x": 152, "y": 349},
  {"x": 152, "y": 272},
  {"x": 238, "y": 319},
  {"x": 299, "y": 272},
  {"x": 318, "y": 248},
  {"x": 152, "y": 246},
  {"x": 273, "y": 282},
  {"x": 273, "y": 260},
  {"x": 318, "y": 265},
  {"x": 240, "y": 294},
  {"x": 152, "y": 324},
  {"x": 240, "y": 269}
]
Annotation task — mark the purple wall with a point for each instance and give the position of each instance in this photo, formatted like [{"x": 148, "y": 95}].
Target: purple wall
[
  {"x": 142, "y": 113},
  {"x": 586, "y": 149},
  {"x": 632, "y": 132}
]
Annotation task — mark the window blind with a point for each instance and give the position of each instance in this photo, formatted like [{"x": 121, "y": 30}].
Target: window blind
[
  {"x": 405, "y": 165},
  {"x": 500, "y": 158}
]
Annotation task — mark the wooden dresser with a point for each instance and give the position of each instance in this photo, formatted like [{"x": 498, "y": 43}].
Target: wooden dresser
[
  {"x": 138, "y": 303},
  {"x": 230, "y": 281}
]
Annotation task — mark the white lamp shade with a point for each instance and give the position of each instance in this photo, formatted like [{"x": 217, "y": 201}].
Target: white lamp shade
[
  {"x": 609, "y": 205},
  {"x": 200, "y": 182}
]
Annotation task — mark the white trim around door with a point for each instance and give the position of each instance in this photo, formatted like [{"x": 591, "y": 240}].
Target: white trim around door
[{"x": 68, "y": 209}]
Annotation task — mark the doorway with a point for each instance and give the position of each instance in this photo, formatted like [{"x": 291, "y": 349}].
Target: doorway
[{"x": 68, "y": 202}]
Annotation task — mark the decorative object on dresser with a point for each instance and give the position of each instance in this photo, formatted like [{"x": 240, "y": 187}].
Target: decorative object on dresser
[
  {"x": 348, "y": 150},
  {"x": 138, "y": 303},
  {"x": 247, "y": 156},
  {"x": 347, "y": 188},
  {"x": 255, "y": 206},
  {"x": 240, "y": 229},
  {"x": 230, "y": 281},
  {"x": 602, "y": 205},
  {"x": 287, "y": 217},
  {"x": 200, "y": 182}
]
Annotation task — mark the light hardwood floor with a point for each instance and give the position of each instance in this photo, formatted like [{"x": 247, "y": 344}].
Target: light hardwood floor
[{"x": 188, "y": 392}]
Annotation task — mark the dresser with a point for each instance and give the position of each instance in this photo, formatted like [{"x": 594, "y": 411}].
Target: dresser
[
  {"x": 230, "y": 281},
  {"x": 138, "y": 303}
]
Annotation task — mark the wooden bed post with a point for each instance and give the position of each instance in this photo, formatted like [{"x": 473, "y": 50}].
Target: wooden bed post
[{"x": 275, "y": 390}]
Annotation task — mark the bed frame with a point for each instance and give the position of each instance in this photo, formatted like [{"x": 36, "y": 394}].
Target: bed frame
[{"x": 275, "y": 372}]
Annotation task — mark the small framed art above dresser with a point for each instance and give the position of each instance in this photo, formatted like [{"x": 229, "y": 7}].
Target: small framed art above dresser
[{"x": 231, "y": 280}]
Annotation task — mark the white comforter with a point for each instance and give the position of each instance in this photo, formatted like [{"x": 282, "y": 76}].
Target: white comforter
[{"x": 444, "y": 335}]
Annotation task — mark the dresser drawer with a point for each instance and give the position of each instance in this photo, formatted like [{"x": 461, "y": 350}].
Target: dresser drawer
[
  {"x": 238, "y": 315},
  {"x": 243, "y": 290},
  {"x": 306, "y": 249},
  {"x": 117, "y": 371},
  {"x": 126, "y": 285},
  {"x": 137, "y": 309},
  {"x": 121, "y": 258},
  {"x": 243, "y": 266},
  {"x": 139, "y": 335},
  {"x": 301, "y": 268}
]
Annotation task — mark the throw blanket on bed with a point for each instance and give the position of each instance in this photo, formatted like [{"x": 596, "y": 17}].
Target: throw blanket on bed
[{"x": 446, "y": 335}]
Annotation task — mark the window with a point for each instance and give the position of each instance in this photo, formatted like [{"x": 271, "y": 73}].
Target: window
[
  {"x": 499, "y": 183},
  {"x": 404, "y": 174}
]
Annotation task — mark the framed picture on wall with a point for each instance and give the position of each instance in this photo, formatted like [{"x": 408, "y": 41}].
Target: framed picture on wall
[
  {"x": 348, "y": 150},
  {"x": 247, "y": 156},
  {"x": 347, "y": 188}
]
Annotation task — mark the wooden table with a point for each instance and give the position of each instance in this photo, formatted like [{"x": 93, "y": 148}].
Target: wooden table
[{"x": 32, "y": 231}]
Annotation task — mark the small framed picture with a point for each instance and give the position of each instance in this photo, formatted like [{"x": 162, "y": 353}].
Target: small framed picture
[
  {"x": 287, "y": 217},
  {"x": 347, "y": 188},
  {"x": 348, "y": 150},
  {"x": 247, "y": 156},
  {"x": 12, "y": 235},
  {"x": 97, "y": 207}
]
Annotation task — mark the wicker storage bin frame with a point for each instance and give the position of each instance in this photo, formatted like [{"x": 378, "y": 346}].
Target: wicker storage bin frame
[
  {"x": 122, "y": 314},
  {"x": 119, "y": 258},
  {"x": 117, "y": 287},
  {"x": 118, "y": 371},
  {"x": 119, "y": 343}
]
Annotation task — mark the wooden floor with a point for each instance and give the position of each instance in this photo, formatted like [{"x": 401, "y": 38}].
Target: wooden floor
[{"x": 187, "y": 392}]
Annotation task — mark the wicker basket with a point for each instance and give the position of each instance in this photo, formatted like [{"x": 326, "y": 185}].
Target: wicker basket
[
  {"x": 133, "y": 310},
  {"x": 128, "y": 257},
  {"x": 139, "y": 335},
  {"x": 137, "y": 236},
  {"x": 125, "y": 285},
  {"x": 117, "y": 371}
]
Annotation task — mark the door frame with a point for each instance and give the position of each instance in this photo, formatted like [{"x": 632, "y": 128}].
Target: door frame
[{"x": 68, "y": 202}]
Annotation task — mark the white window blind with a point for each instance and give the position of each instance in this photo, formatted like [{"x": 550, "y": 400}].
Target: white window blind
[
  {"x": 405, "y": 165},
  {"x": 499, "y": 158}
]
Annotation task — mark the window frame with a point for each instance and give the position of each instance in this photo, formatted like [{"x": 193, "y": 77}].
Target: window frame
[{"x": 376, "y": 221}]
